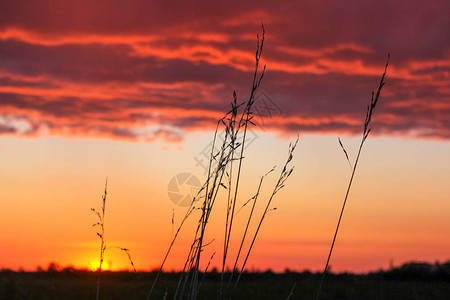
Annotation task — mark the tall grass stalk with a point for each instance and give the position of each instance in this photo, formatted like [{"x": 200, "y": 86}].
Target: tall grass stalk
[
  {"x": 365, "y": 134},
  {"x": 220, "y": 166},
  {"x": 212, "y": 189},
  {"x": 186, "y": 216},
  {"x": 254, "y": 198},
  {"x": 223, "y": 174},
  {"x": 101, "y": 235},
  {"x": 223, "y": 160},
  {"x": 245, "y": 119},
  {"x": 284, "y": 175},
  {"x": 101, "y": 222},
  {"x": 291, "y": 293}
]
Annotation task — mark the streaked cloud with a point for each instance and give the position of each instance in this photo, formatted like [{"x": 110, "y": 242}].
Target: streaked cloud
[{"x": 137, "y": 70}]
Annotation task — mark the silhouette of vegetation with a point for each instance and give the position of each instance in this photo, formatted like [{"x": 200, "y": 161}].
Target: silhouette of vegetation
[
  {"x": 365, "y": 135},
  {"x": 414, "y": 280},
  {"x": 101, "y": 234},
  {"x": 224, "y": 178}
]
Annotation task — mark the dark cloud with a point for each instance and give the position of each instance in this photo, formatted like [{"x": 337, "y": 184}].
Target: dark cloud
[
  {"x": 6, "y": 129},
  {"x": 140, "y": 70},
  {"x": 96, "y": 63}
]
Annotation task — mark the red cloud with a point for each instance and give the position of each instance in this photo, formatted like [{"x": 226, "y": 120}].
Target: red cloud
[{"x": 135, "y": 72}]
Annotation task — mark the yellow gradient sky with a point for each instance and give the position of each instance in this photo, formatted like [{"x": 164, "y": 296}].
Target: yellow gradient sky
[{"x": 398, "y": 208}]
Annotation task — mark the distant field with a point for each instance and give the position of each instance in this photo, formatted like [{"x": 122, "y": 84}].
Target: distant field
[{"x": 403, "y": 283}]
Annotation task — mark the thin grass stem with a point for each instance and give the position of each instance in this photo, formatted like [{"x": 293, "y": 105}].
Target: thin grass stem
[{"x": 365, "y": 134}]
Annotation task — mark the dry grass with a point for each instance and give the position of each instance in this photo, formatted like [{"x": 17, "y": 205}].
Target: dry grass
[
  {"x": 101, "y": 235},
  {"x": 226, "y": 165},
  {"x": 365, "y": 134},
  {"x": 101, "y": 223}
]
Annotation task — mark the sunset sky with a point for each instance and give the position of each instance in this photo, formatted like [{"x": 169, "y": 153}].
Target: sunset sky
[{"x": 131, "y": 91}]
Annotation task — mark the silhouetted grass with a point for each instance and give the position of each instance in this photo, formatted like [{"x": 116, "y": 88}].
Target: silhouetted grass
[
  {"x": 365, "y": 134},
  {"x": 101, "y": 223},
  {"x": 224, "y": 176},
  {"x": 101, "y": 235},
  {"x": 410, "y": 281}
]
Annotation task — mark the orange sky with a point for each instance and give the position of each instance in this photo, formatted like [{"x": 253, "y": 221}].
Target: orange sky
[{"x": 132, "y": 92}]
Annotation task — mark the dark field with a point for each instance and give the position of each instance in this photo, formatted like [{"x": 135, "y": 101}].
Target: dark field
[{"x": 411, "y": 281}]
